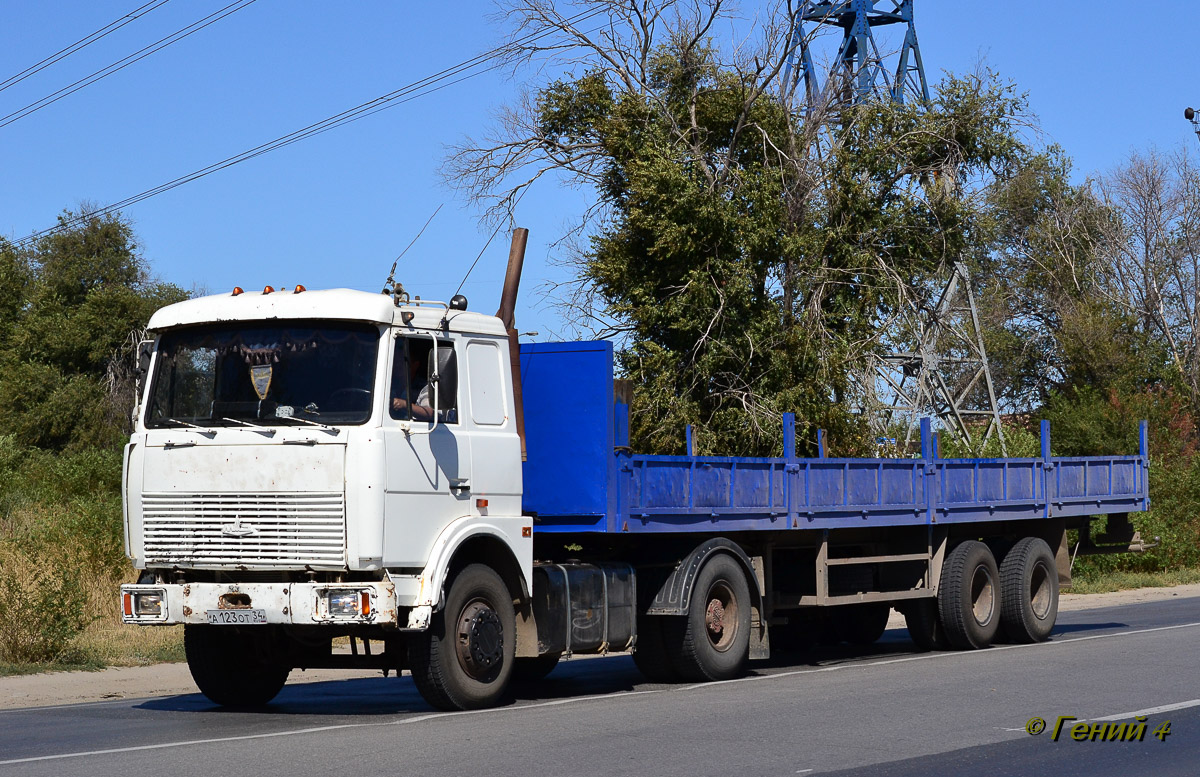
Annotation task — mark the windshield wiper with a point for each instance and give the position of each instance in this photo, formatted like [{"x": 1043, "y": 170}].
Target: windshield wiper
[
  {"x": 190, "y": 427},
  {"x": 260, "y": 429},
  {"x": 324, "y": 427}
]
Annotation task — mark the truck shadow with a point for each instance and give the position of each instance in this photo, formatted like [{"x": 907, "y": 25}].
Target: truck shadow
[{"x": 580, "y": 677}]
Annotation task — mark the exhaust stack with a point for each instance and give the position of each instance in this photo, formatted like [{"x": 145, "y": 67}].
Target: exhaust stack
[{"x": 508, "y": 305}]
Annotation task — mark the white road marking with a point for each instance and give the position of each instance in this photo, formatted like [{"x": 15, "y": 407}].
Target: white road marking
[
  {"x": 932, "y": 656},
  {"x": 1183, "y": 705},
  {"x": 610, "y": 697},
  {"x": 78, "y": 705}
]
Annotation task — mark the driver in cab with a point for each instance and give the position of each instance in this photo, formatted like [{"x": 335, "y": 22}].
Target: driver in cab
[{"x": 421, "y": 408}]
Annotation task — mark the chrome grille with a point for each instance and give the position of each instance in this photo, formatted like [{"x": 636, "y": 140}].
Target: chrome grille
[{"x": 273, "y": 530}]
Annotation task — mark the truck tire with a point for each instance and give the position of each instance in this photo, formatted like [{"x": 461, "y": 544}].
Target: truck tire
[
  {"x": 716, "y": 630},
  {"x": 531, "y": 669},
  {"x": 924, "y": 626},
  {"x": 651, "y": 655},
  {"x": 969, "y": 596},
  {"x": 232, "y": 666},
  {"x": 861, "y": 624},
  {"x": 465, "y": 659},
  {"x": 1028, "y": 591},
  {"x": 797, "y": 635}
]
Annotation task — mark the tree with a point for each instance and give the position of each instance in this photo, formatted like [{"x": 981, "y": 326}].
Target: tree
[
  {"x": 1151, "y": 254},
  {"x": 745, "y": 257},
  {"x": 71, "y": 305}
]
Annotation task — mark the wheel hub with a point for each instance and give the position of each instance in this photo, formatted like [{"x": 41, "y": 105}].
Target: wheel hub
[
  {"x": 480, "y": 643},
  {"x": 714, "y": 617},
  {"x": 721, "y": 616}
]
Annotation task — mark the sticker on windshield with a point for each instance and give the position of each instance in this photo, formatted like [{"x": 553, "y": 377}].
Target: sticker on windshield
[{"x": 260, "y": 376}]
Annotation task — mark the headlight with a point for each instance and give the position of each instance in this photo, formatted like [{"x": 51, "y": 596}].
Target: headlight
[
  {"x": 342, "y": 603},
  {"x": 348, "y": 603},
  {"x": 144, "y": 604},
  {"x": 148, "y": 604}
]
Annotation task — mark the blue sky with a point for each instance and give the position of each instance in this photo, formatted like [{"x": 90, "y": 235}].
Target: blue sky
[{"x": 336, "y": 209}]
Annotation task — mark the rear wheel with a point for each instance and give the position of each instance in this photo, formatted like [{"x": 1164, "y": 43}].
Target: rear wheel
[
  {"x": 924, "y": 626},
  {"x": 235, "y": 666},
  {"x": 465, "y": 659},
  {"x": 716, "y": 630},
  {"x": 651, "y": 654},
  {"x": 969, "y": 596},
  {"x": 1029, "y": 591},
  {"x": 862, "y": 624},
  {"x": 797, "y": 635}
]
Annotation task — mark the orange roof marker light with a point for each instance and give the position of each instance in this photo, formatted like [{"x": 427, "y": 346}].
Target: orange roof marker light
[
  {"x": 268, "y": 289},
  {"x": 298, "y": 289},
  {"x": 237, "y": 290}
]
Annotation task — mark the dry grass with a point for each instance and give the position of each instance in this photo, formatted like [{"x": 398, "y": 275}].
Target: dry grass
[
  {"x": 62, "y": 554},
  {"x": 103, "y": 640},
  {"x": 109, "y": 642},
  {"x": 1104, "y": 582}
]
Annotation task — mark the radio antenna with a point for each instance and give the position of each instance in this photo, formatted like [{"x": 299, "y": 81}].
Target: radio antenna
[
  {"x": 495, "y": 232},
  {"x": 390, "y": 283}
]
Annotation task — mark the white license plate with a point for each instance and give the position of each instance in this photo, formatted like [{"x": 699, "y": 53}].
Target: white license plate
[{"x": 237, "y": 617}]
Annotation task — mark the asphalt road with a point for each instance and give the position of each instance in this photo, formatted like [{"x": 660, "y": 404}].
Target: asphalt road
[{"x": 884, "y": 710}]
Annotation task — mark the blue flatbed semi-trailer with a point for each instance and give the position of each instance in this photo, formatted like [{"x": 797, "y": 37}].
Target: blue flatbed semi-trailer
[
  {"x": 582, "y": 477},
  {"x": 963, "y": 547}
]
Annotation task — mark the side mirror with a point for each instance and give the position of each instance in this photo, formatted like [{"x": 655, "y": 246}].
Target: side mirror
[
  {"x": 145, "y": 352},
  {"x": 444, "y": 377}
]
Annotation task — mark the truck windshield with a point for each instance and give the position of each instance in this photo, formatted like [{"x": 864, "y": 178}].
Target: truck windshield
[{"x": 276, "y": 373}]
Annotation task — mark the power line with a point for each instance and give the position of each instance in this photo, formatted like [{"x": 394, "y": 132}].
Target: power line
[
  {"x": 121, "y": 64},
  {"x": 112, "y": 26},
  {"x": 420, "y": 88}
]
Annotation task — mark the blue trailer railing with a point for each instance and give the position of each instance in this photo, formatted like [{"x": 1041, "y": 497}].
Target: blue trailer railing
[{"x": 581, "y": 475}]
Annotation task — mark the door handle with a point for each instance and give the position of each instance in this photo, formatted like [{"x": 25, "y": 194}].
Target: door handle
[{"x": 460, "y": 484}]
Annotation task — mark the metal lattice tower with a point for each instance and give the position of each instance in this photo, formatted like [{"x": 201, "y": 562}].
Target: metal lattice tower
[
  {"x": 942, "y": 374},
  {"x": 858, "y": 73}
]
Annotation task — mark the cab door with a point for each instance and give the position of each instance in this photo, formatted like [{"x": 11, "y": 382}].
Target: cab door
[{"x": 428, "y": 479}]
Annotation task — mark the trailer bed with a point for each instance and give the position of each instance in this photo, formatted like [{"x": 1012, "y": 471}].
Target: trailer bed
[{"x": 581, "y": 476}]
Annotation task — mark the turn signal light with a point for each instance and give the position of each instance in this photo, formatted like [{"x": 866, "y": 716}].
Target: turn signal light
[
  {"x": 365, "y": 605},
  {"x": 128, "y": 604}
]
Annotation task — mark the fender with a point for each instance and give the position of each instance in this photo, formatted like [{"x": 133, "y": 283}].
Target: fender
[
  {"x": 675, "y": 595},
  {"x": 506, "y": 529}
]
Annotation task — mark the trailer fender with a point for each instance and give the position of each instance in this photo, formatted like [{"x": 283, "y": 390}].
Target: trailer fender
[{"x": 675, "y": 595}]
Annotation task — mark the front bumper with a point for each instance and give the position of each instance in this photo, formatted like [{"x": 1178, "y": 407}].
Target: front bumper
[{"x": 304, "y": 604}]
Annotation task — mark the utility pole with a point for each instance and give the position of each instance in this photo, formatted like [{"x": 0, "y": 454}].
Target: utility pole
[{"x": 1190, "y": 115}]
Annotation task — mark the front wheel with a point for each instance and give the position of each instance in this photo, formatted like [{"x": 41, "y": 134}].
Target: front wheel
[
  {"x": 716, "y": 631},
  {"x": 465, "y": 659},
  {"x": 532, "y": 669},
  {"x": 235, "y": 666}
]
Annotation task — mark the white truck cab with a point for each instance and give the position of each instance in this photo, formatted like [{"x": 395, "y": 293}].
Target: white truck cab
[{"x": 315, "y": 459}]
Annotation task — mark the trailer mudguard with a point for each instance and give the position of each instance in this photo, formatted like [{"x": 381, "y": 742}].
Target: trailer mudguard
[{"x": 675, "y": 595}]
